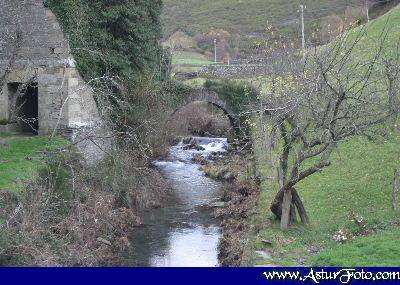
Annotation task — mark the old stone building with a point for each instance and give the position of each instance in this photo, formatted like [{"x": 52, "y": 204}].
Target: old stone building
[{"x": 41, "y": 90}]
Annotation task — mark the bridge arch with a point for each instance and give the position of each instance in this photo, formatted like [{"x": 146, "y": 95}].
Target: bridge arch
[
  {"x": 223, "y": 101},
  {"x": 208, "y": 96}
]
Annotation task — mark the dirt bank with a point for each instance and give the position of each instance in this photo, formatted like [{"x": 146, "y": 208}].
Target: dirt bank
[{"x": 241, "y": 192}]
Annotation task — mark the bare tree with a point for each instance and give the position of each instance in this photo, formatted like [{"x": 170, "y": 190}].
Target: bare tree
[{"x": 336, "y": 94}]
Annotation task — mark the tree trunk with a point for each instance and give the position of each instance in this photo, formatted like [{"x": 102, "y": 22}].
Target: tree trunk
[
  {"x": 276, "y": 206},
  {"x": 296, "y": 203}
]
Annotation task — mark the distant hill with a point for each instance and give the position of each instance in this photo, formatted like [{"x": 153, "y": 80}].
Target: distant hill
[{"x": 251, "y": 17}]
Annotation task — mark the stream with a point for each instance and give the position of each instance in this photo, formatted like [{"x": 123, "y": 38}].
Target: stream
[{"x": 184, "y": 232}]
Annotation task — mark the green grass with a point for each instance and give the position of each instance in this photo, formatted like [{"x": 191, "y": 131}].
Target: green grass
[
  {"x": 190, "y": 61},
  {"x": 189, "y": 58},
  {"x": 359, "y": 182},
  {"x": 21, "y": 157},
  {"x": 378, "y": 250}
]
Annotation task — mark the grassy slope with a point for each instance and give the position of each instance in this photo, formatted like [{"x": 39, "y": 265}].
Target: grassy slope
[
  {"x": 242, "y": 16},
  {"x": 358, "y": 182},
  {"x": 20, "y": 158}
]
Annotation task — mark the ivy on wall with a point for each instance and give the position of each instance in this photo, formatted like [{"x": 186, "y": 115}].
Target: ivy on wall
[{"x": 240, "y": 97}]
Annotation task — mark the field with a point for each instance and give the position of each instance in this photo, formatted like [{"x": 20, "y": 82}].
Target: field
[
  {"x": 357, "y": 186},
  {"x": 188, "y": 61},
  {"x": 189, "y": 58}
]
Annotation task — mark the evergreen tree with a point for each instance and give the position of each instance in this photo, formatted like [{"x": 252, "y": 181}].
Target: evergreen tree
[{"x": 118, "y": 37}]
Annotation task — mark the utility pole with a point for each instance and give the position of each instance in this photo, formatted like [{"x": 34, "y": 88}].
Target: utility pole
[
  {"x": 215, "y": 51},
  {"x": 303, "y": 37},
  {"x": 367, "y": 9}
]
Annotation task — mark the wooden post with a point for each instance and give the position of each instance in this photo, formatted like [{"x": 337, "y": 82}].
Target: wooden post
[
  {"x": 300, "y": 207},
  {"x": 287, "y": 201},
  {"x": 395, "y": 193}
]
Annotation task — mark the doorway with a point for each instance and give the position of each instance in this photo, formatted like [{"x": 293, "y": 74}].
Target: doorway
[{"x": 26, "y": 107}]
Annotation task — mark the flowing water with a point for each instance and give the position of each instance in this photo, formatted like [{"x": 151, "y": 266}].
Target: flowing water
[{"x": 184, "y": 232}]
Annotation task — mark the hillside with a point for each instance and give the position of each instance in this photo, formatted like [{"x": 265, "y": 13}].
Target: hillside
[
  {"x": 248, "y": 17},
  {"x": 241, "y": 28},
  {"x": 357, "y": 184}
]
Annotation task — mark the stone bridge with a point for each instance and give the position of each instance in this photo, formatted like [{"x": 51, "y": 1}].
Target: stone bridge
[{"x": 212, "y": 97}]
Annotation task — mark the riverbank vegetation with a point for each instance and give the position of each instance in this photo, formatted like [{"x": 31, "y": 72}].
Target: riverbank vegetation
[
  {"x": 236, "y": 170},
  {"x": 357, "y": 186},
  {"x": 72, "y": 215}
]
